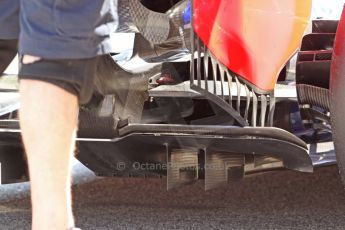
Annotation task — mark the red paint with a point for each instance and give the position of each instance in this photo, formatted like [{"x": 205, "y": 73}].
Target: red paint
[{"x": 254, "y": 39}]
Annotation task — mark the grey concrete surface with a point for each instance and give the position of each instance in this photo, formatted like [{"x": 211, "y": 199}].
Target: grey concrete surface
[{"x": 277, "y": 200}]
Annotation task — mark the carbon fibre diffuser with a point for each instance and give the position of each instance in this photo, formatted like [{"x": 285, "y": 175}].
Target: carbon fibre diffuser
[
  {"x": 186, "y": 153},
  {"x": 182, "y": 167}
]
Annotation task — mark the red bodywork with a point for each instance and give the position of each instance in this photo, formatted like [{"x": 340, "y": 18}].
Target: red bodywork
[{"x": 253, "y": 38}]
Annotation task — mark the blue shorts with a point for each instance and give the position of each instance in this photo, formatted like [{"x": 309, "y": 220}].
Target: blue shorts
[
  {"x": 9, "y": 19},
  {"x": 68, "y": 35},
  {"x": 59, "y": 28}
]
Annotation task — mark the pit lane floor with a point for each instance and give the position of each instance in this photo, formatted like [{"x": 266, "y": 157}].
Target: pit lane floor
[{"x": 278, "y": 200}]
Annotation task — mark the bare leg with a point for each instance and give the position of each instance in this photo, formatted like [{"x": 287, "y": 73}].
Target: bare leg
[{"x": 48, "y": 119}]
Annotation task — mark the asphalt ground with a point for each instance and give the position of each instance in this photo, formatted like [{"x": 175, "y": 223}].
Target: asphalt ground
[{"x": 276, "y": 200}]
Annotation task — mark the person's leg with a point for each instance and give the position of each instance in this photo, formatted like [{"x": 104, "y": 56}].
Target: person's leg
[
  {"x": 50, "y": 93},
  {"x": 63, "y": 41},
  {"x": 48, "y": 119}
]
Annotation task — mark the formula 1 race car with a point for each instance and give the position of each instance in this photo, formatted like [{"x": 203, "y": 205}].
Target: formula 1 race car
[{"x": 213, "y": 90}]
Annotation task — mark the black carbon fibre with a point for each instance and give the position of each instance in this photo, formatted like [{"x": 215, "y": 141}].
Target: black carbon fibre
[
  {"x": 325, "y": 26},
  {"x": 92, "y": 125},
  {"x": 135, "y": 17},
  {"x": 264, "y": 132},
  {"x": 126, "y": 24},
  {"x": 312, "y": 95},
  {"x": 313, "y": 73},
  {"x": 155, "y": 27}
]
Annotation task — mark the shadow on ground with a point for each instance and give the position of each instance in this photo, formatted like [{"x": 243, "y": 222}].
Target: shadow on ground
[{"x": 278, "y": 200}]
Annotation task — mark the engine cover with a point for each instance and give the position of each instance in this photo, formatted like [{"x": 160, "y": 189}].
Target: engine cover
[{"x": 254, "y": 39}]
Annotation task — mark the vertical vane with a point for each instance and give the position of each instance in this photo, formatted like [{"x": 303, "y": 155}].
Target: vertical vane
[{"x": 229, "y": 91}]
